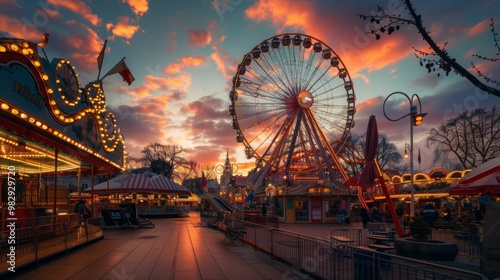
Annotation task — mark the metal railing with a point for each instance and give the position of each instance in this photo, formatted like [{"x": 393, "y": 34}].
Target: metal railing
[
  {"x": 31, "y": 244},
  {"x": 326, "y": 260}
]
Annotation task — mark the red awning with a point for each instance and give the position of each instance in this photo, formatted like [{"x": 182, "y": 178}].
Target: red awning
[{"x": 484, "y": 179}]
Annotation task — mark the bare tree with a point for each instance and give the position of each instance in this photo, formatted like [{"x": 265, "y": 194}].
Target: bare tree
[
  {"x": 472, "y": 137},
  {"x": 189, "y": 169},
  {"x": 438, "y": 59},
  {"x": 163, "y": 159},
  {"x": 353, "y": 154}
]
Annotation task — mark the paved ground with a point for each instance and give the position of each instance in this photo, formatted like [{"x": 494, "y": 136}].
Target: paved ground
[{"x": 177, "y": 248}]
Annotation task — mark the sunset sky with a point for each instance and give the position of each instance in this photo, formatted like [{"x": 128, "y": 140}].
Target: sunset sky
[{"x": 184, "y": 54}]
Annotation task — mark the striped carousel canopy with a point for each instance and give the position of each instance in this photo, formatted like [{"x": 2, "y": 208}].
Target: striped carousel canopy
[{"x": 140, "y": 183}]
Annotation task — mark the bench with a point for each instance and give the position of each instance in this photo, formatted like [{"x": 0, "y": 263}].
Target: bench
[{"x": 230, "y": 232}]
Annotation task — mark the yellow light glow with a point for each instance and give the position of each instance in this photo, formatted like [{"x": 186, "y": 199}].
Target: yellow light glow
[
  {"x": 14, "y": 47},
  {"x": 25, "y": 52},
  {"x": 5, "y": 106},
  {"x": 15, "y": 111},
  {"x": 37, "y": 63},
  {"x": 3, "y": 49},
  {"x": 45, "y": 77}
]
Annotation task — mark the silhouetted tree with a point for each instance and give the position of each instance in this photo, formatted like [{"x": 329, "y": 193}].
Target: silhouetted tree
[
  {"x": 472, "y": 137},
  {"x": 438, "y": 59},
  {"x": 388, "y": 156},
  {"x": 163, "y": 159}
]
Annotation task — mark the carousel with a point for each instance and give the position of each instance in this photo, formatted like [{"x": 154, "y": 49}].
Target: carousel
[{"x": 50, "y": 126}]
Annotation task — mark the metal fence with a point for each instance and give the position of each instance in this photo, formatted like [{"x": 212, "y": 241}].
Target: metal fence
[
  {"x": 326, "y": 260},
  {"x": 23, "y": 246}
]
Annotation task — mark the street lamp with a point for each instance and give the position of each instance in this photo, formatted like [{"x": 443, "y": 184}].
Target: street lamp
[{"x": 415, "y": 120}]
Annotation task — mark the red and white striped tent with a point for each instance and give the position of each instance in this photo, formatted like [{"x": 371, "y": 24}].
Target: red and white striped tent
[
  {"x": 484, "y": 179},
  {"x": 140, "y": 183}
]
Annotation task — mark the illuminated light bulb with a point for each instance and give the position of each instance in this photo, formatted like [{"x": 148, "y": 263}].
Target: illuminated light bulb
[
  {"x": 31, "y": 120},
  {"x": 37, "y": 63},
  {"x": 45, "y": 77},
  {"x": 25, "y": 51},
  {"x": 5, "y": 106},
  {"x": 3, "y": 49},
  {"x": 15, "y": 111},
  {"x": 23, "y": 115},
  {"x": 50, "y": 91},
  {"x": 14, "y": 47},
  {"x": 25, "y": 44},
  {"x": 44, "y": 126}
]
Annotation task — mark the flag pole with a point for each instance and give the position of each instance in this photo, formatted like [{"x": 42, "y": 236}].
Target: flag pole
[
  {"x": 112, "y": 69},
  {"x": 103, "y": 51}
]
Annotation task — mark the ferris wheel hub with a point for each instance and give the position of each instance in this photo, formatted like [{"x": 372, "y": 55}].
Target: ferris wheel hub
[{"x": 305, "y": 99}]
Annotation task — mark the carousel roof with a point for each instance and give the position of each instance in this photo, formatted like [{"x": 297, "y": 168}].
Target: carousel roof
[{"x": 140, "y": 183}]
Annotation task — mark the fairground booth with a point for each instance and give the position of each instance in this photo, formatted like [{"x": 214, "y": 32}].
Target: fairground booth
[
  {"x": 151, "y": 195},
  {"x": 51, "y": 126}
]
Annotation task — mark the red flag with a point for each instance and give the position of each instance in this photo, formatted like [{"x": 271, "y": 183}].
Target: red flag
[{"x": 122, "y": 68}]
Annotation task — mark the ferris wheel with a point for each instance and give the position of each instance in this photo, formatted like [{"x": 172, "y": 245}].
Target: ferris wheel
[{"x": 292, "y": 106}]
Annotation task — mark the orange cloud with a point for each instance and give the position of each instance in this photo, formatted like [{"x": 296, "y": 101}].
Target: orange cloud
[
  {"x": 225, "y": 63},
  {"x": 199, "y": 37},
  {"x": 79, "y": 8},
  {"x": 479, "y": 28},
  {"x": 184, "y": 62},
  {"x": 139, "y": 7},
  {"x": 123, "y": 28},
  {"x": 287, "y": 13}
]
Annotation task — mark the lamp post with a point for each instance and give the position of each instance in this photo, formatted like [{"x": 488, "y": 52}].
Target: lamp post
[{"x": 415, "y": 120}]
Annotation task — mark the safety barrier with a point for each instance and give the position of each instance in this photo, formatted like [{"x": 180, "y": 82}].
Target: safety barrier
[
  {"x": 326, "y": 260},
  {"x": 31, "y": 244}
]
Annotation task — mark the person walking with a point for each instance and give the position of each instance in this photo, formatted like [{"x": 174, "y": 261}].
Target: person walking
[
  {"x": 365, "y": 217},
  {"x": 430, "y": 214}
]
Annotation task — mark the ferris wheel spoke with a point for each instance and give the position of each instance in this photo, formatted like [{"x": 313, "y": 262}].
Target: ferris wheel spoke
[
  {"x": 267, "y": 74},
  {"x": 261, "y": 85},
  {"x": 275, "y": 71}
]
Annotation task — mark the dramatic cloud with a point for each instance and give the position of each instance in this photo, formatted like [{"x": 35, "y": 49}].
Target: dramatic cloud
[
  {"x": 199, "y": 37},
  {"x": 123, "y": 28},
  {"x": 225, "y": 63},
  {"x": 78, "y": 8},
  {"x": 139, "y": 7},
  {"x": 479, "y": 28},
  {"x": 184, "y": 62},
  {"x": 146, "y": 120},
  {"x": 285, "y": 13}
]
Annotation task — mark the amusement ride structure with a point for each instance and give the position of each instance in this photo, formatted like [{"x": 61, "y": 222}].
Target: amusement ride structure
[{"x": 292, "y": 107}]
